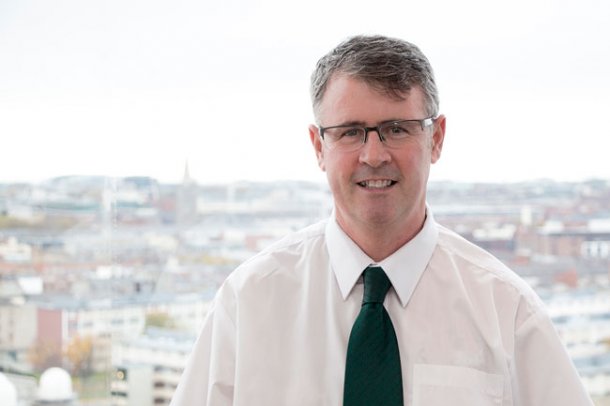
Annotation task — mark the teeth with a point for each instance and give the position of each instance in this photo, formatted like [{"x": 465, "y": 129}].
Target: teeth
[{"x": 376, "y": 184}]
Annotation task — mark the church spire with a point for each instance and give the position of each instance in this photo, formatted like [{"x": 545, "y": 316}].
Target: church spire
[{"x": 187, "y": 173}]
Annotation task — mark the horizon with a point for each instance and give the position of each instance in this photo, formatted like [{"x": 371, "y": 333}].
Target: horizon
[{"x": 322, "y": 181}]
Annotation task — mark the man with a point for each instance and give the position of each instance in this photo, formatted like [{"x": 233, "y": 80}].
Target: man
[{"x": 308, "y": 321}]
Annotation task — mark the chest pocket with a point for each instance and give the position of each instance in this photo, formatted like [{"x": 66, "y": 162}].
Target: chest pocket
[{"x": 441, "y": 385}]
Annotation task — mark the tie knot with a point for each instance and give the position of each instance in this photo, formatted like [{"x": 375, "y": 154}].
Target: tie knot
[{"x": 376, "y": 285}]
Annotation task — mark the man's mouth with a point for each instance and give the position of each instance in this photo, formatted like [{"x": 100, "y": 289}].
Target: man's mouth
[{"x": 377, "y": 183}]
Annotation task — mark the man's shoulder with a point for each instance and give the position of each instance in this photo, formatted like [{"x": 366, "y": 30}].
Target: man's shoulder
[
  {"x": 480, "y": 266},
  {"x": 283, "y": 255},
  {"x": 295, "y": 239},
  {"x": 456, "y": 245}
]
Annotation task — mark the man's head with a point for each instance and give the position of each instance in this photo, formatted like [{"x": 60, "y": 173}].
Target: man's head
[
  {"x": 391, "y": 66},
  {"x": 377, "y": 133}
]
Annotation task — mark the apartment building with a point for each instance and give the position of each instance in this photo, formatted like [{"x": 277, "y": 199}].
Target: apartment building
[{"x": 148, "y": 369}]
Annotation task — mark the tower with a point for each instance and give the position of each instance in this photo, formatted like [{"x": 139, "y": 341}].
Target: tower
[{"x": 186, "y": 205}]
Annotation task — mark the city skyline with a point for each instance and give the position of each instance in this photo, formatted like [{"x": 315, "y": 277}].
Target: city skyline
[{"x": 110, "y": 280}]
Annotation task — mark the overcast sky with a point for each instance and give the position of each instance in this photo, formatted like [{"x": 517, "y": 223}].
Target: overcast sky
[{"x": 123, "y": 87}]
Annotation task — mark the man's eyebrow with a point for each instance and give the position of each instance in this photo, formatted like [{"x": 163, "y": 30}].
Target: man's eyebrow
[
  {"x": 393, "y": 120},
  {"x": 350, "y": 123},
  {"x": 361, "y": 123}
]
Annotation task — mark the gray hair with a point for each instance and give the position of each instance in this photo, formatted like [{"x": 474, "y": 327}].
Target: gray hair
[{"x": 389, "y": 65}]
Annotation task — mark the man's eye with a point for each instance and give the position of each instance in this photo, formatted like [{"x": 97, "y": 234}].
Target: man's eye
[
  {"x": 397, "y": 130},
  {"x": 351, "y": 132}
]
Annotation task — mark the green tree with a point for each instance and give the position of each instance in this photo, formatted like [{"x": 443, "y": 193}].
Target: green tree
[{"x": 160, "y": 319}]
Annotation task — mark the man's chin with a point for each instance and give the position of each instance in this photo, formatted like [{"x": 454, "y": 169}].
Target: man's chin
[{"x": 379, "y": 217}]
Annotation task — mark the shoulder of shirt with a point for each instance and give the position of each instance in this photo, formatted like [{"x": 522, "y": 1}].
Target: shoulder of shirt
[
  {"x": 480, "y": 260},
  {"x": 289, "y": 249}
]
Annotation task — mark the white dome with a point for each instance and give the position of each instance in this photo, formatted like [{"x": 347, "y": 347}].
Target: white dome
[
  {"x": 55, "y": 384},
  {"x": 8, "y": 393}
]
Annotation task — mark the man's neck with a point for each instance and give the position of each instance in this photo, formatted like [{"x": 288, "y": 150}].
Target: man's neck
[{"x": 379, "y": 241}]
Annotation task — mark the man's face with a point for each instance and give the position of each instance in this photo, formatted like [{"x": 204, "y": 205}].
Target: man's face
[{"x": 376, "y": 186}]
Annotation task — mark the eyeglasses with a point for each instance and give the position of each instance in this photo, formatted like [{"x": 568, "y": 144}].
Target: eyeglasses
[{"x": 394, "y": 134}]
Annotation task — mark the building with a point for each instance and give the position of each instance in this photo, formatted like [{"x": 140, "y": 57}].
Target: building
[
  {"x": 60, "y": 321},
  {"x": 17, "y": 319},
  {"x": 582, "y": 319},
  {"x": 148, "y": 369},
  {"x": 132, "y": 385}
]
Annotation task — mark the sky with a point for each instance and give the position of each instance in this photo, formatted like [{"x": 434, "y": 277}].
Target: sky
[{"x": 139, "y": 87}]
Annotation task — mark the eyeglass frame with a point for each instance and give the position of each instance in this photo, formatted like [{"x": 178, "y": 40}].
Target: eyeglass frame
[{"x": 424, "y": 123}]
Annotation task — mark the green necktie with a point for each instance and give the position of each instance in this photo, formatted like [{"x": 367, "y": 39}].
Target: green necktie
[{"x": 372, "y": 371}]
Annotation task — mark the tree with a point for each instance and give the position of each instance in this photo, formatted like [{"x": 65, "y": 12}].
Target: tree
[
  {"x": 160, "y": 319},
  {"x": 78, "y": 354}
]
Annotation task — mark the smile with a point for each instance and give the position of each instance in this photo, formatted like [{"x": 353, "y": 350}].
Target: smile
[{"x": 377, "y": 184}]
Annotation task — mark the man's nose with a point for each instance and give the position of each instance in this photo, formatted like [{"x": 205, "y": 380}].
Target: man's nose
[{"x": 374, "y": 152}]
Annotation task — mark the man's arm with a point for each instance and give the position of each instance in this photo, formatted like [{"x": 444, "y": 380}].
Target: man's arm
[
  {"x": 208, "y": 378},
  {"x": 543, "y": 373}
]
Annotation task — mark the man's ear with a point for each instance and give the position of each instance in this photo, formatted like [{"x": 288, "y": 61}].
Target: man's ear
[
  {"x": 438, "y": 137},
  {"x": 316, "y": 141}
]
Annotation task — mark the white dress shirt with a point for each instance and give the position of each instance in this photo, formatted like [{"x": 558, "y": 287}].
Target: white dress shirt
[{"x": 470, "y": 331}]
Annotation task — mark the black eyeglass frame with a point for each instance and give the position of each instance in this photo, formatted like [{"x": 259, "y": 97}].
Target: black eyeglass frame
[{"x": 424, "y": 123}]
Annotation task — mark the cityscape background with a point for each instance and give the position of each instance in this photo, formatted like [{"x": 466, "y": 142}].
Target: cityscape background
[
  {"x": 104, "y": 281},
  {"x": 110, "y": 253}
]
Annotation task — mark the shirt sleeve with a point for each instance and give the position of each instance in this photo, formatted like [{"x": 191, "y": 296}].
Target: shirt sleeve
[
  {"x": 543, "y": 373},
  {"x": 208, "y": 378}
]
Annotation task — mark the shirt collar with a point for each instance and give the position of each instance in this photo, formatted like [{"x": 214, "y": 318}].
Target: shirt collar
[{"x": 404, "y": 267}]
